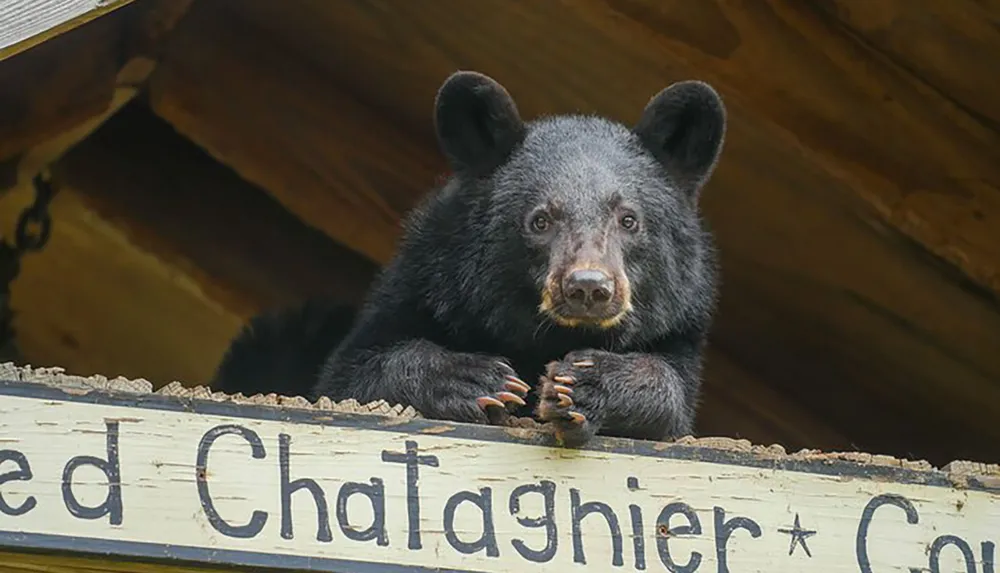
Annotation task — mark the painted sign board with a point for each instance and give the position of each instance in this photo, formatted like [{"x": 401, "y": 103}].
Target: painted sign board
[{"x": 162, "y": 478}]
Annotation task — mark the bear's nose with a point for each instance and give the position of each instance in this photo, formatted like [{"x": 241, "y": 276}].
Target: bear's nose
[{"x": 588, "y": 288}]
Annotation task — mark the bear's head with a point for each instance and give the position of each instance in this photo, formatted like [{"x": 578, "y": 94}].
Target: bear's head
[{"x": 596, "y": 224}]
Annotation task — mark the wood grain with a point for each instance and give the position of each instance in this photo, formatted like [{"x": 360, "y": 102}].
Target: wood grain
[
  {"x": 949, "y": 46},
  {"x": 27, "y": 23},
  {"x": 759, "y": 495},
  {"x": 832, "y": 298}
]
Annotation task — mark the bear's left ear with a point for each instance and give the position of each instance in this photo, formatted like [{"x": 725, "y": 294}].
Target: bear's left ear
[
  {"x": 477, "y": 122},
  {"x": 684, "y": 126}
]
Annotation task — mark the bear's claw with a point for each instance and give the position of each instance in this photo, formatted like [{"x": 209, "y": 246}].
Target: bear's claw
[
  {"x": 485, "y": 402},
  {"x": 562, "y": 389},
  {"x": 508, "y": 397},
  {"x": 514, "y": 391},
  {"x": 515, "y": 384}
]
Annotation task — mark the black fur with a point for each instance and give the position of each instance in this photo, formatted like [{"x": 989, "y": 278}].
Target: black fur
[
  {"x": 282, "y": 351},
  {"x": 456, "y": 313}
]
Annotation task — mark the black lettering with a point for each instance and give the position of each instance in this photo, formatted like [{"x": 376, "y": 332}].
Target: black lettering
[
  {"x": 323, "y": 532},
  {"x": 413, "y": 462},
  {"x": 578, "y": 512},
  {"x": 989, "y": 557},
  {"x": 22, "y": 473},
  {"x": 664, "y": 532},
  {"x": 258, "y": 518},
  {"x": 488, "y": 538},
  {"x": 112, "y": 504},
  {"x": 944, "y": 541},
  {"x": 724, "y": 530},
  {"x": 638, "y": 541},
  {"x": 548, "y": 521},
  {"x": 376, "y": 496},
  {"x": 861, "y": 539}
]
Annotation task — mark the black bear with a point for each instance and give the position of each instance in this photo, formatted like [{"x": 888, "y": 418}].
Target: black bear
[{"x": 568, "y": 250}]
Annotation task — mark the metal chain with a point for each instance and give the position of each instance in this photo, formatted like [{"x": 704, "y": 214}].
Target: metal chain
[
  {"x": 34, "y": 227},
  {"x": 36, "y": 214}
]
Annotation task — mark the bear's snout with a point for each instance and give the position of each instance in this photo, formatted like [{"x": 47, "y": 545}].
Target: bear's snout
[
  {"x": 590, "y": 295},
  {"x": 588, "y": 291}
]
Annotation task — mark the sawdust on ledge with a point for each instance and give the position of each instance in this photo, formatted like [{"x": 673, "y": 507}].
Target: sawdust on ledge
[{"x": 959, "y": 472}]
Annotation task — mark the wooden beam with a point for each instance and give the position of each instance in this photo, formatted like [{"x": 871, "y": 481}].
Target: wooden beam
[
  {"x": 189, "y": 489},
  {"x": 174, "y": 200},
  {"x": 270, "y": 115},
  {"x": 27, "y": 23},
  {"x": 826, "y": 304}
]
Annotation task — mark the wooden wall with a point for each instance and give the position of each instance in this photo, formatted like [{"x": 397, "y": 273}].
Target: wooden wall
[{"x": 275, "y": 146}]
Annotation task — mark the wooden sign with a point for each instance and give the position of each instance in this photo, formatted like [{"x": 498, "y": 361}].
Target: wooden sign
[{"x": 144, "y": 476}]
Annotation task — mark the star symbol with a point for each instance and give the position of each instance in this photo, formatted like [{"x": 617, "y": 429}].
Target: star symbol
[{"x": 799, "y": 536}]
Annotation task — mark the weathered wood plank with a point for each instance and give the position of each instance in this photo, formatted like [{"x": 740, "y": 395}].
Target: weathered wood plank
[
  {"x": 838, "y": 313},
  {"x": 27, "y": 23},
  {"x": 202, "y": 480}
]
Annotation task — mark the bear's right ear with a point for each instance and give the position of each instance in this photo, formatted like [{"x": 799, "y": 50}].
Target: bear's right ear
[
  {"x": 684, "y": 126},
  {"x": 477, "y": 122}
]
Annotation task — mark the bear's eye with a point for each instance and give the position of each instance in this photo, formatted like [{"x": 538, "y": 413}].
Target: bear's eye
[
  {"x": 540, "y": 223},
  {"x": 628, "y": 222}
]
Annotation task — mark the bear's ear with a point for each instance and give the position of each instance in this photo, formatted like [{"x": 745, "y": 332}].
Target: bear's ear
[
  {"x": 684, "y": 126},
  {"x": 477, "y": 122}
]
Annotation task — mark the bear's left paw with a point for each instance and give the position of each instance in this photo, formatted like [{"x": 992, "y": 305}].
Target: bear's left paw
[{"x": 572, "y": 396}]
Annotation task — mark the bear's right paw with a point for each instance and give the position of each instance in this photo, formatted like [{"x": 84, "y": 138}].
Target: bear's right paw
[{"x": 478, "y": 389}]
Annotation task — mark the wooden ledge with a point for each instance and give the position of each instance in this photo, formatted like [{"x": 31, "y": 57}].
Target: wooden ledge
[{"x": 105, "y": 467}]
